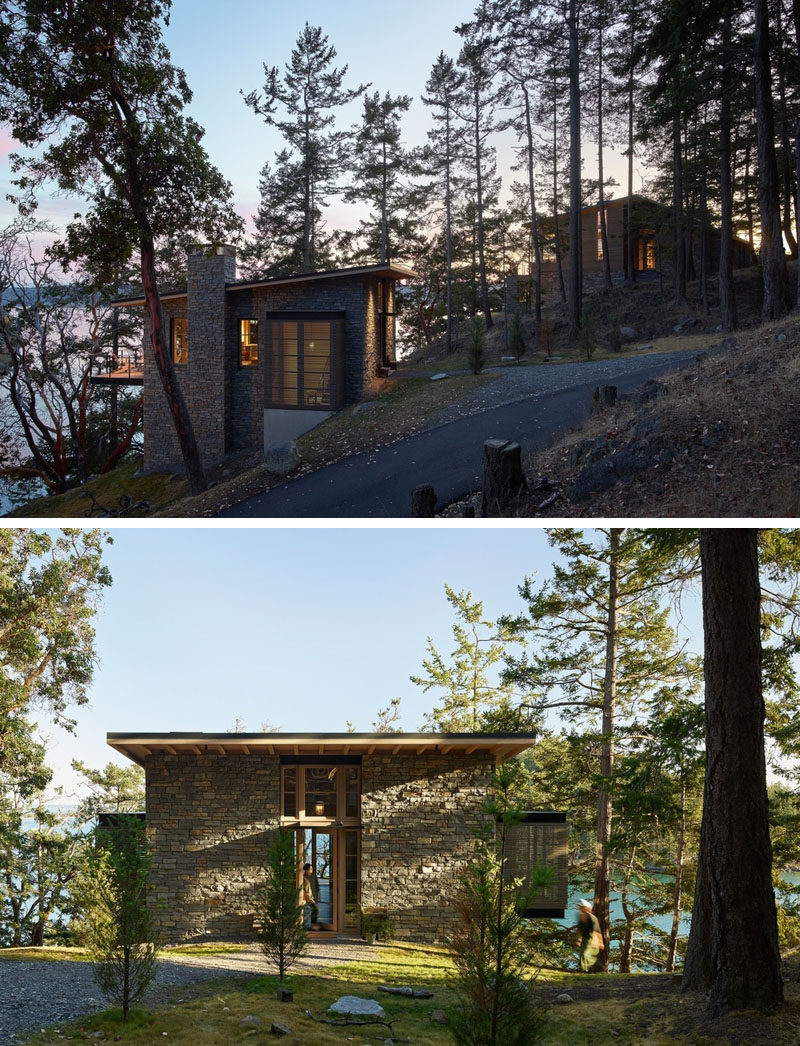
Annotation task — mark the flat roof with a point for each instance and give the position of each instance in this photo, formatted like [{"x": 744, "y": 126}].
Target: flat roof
[
  {"x": 138, "y": 746},
  {"x": 397, "y": 272}
]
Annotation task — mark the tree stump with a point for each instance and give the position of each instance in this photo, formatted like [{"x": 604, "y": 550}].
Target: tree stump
[
  {"x": 423, "y": 502},
  {"x": 503, "y": 478},
  {"x": 605, "y": 395}
]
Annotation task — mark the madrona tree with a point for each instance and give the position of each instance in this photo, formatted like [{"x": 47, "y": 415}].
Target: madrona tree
[{"x": 89, "y": 87}]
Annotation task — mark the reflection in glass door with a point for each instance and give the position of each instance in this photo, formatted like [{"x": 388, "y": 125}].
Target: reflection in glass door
[{"x": 318, "y": 851}]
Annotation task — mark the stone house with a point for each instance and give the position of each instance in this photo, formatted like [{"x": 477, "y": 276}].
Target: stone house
[
  {"x": 260, "y": 362},
  {"x": 385, "y": 820},
  {"x": 652, "y": 247}
]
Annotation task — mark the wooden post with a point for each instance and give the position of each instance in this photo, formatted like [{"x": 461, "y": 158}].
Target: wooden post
[
  {"x": 423, "y": 502},
  {"x": 503, "y": 478}
]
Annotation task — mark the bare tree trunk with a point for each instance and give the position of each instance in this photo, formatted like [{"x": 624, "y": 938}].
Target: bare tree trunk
[
  {"x": 727, "y": 294},
  {"x": 574, "y": 303},
  {"x": 158, "y": 344},
  {"x": 479, "y": 189},
  {"x": 733, "y": 944},
  {"x": 773, "y": 259},
  {"x": 604, "y": 801}
]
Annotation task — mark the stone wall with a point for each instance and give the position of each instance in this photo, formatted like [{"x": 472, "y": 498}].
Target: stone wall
[
  {"x": 418, "y": 814},
  {"x": 209, "y": 822}
]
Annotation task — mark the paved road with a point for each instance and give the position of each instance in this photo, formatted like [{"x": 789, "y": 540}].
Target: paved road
[{"x": 378, "y": 484}]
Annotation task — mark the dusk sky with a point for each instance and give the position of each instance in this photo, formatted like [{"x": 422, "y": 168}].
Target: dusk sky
[
  {"x": 304, "y": 628},
  {"x": 223, "y": 48}
]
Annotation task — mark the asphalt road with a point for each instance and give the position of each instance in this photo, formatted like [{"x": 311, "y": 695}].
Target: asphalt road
[{"x": 379, "y": 484}]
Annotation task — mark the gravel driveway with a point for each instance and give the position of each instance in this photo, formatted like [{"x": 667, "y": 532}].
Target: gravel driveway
[
  {"x": 510, "y": 384},
  {"x": 36, "y": 994}
]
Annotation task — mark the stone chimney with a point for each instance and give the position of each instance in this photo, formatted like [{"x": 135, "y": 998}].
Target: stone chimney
[{"x": 207, "y": 375}]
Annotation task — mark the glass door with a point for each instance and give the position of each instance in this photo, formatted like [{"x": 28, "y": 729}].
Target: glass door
[{"x": 318, "y": 851}]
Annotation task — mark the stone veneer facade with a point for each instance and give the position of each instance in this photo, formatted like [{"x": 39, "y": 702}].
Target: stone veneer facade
[
  {"x": 226, "y": 401},
  {"x": 210, "y": 819}
]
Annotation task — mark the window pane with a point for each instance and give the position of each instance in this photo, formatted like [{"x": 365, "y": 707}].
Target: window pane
[
  {"x": 180, "y": 340},
  {"x": 284, "y": 364},
  {"x": 352, "y": 791},
  {"x": 248, "y": 343},
  {"x": 317, "y": 364},
  {"x": 351, "y": 880},
  {"x": 321, "y": 791},
  {"x": 289, "y": 791}
]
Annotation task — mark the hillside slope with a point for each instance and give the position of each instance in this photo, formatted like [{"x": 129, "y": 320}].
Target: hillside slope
[{"x": 720, "y": 438}]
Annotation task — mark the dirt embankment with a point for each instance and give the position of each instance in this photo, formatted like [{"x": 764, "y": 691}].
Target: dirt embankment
[{"x": 720, "y": 438}]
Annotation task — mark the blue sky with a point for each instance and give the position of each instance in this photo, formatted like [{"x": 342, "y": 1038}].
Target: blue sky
[
  {"x": 223, "y": 46},
  {"x": 305, "y": 628}
]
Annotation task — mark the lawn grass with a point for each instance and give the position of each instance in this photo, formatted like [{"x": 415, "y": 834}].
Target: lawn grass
[{"x": 615, "y": 1008}]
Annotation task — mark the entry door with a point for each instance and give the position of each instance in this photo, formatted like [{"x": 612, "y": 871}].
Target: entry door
[{"x": 320, "y": 851}]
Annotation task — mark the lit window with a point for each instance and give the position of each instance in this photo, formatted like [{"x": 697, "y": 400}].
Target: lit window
[
  {"x": 248, "y": 343},
  {"x": 180, "y": 340},
  {"x": 328, "y": 792},
  {"x": 599, "y": 236}
]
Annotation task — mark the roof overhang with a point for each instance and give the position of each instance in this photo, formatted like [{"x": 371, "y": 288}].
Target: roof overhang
[
  {"x": 139, "y": 746},
  {"x": 393, "y": 272}
]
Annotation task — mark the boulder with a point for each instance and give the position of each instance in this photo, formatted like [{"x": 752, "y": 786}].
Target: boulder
[
  {"x": 250, "y": 1021},
  {"x": 276, "y": 1028},
  {"x": 564, "y": 999},
  {"x": 627, "y": 333},
  {"x": 351, "y": 1005},
  {"x": 438, "y": 377},
  {"x": 439, "y": 1017},
  {"x": 282, "y": 458}
]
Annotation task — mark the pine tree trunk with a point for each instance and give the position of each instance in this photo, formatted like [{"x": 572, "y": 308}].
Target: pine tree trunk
[
  {"x": 677, "y": 891},
  {"x": 727, "y": 295},
  {"x": 574, "y": 303},
  {"x": 449, "y": 230},
  {"x": 557, "y": 231},
  {"x": 487, "y": 313},
  {"x": 627, "y": 940},
  {"x": 677, "y": 206},
  {"x": 704, "y": 237},
  {"x": 537, "y": 249},
  {"x": 604, "y": 802},
  {"x": 733, "y": 943},
  {"x": 773, "y": 259},
  {"x": 630, "y": 269},
  {"x": 601, "y": 188},
  {"x": 786, "y": 152}
]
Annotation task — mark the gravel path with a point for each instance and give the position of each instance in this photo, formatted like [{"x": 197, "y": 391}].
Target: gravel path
[
  {"x": 36, "y": 994},
  {"x": 510, "y": 384}
]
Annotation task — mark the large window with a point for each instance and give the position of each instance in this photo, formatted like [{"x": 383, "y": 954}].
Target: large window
[
  {"x": 180, "y": 340},
  {"x": 321, "y": 792},
  {"x": 301, "y": 353},
  {"x": 248, "y": 343}
]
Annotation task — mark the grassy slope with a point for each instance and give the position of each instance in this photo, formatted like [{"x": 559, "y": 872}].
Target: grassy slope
[{"x": 606, "y": 1008}]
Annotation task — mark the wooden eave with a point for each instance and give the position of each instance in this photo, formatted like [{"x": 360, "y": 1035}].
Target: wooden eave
[
  {"x": 139, "y": 746},
  {"x": 395, "y": 272}
]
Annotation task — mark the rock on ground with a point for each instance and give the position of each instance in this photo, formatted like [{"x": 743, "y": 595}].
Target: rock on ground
[{"x": 351, "y": 1005}]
